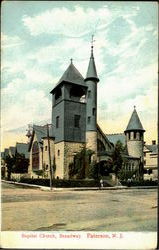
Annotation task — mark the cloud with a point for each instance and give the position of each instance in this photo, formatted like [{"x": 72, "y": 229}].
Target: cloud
[
  {"x": 67, "y": 22},
  {"x": 10, "y": 41},
  {"x": 36, "y": 106}
]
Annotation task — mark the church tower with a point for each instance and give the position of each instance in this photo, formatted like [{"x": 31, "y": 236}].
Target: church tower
[
  {"x": 68, "y": 118},
  {"x": 135, "y": 136},
  {"x": 91, "y": 81}
]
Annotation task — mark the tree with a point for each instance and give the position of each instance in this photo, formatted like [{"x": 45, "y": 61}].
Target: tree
[
  {"x": 21, "y": 164},
  {"x": 117, "y": 158},
  {"x": 16, "y": 164},
  {"x": 93, "y": 172},
  {"x": 10, "y": 162},
  {"x": 79, "y": 168}
]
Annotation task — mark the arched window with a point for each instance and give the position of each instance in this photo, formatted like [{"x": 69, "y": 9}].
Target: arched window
[
  {"x": 35, "y": 156},
  {"x": 58, "y": 93},
  {"x": 100, "y": 146},
  {"x": 76, "y": 93}
]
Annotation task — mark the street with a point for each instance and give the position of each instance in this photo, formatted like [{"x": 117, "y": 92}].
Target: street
[{"x": 26, "y": 209}]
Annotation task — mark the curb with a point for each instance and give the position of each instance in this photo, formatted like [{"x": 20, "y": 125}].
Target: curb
[{"x": 44, "y": 188}]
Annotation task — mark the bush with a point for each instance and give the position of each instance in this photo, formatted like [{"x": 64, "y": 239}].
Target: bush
[
  {"x": 63, "y": 183},
  {"x": 140, "y": 183}
]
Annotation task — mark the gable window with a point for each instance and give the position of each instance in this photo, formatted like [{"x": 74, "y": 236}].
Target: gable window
[
  {"x": 77, "y": 121},
  {"x": 57, "y": 122},
  {"x": 89, "y": 119}
]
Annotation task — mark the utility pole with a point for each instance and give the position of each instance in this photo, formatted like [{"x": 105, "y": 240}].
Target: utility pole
[{"x": 49, "y": 153}]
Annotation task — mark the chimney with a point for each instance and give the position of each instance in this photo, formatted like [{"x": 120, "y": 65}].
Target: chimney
[{"x": 153, "y": 142}]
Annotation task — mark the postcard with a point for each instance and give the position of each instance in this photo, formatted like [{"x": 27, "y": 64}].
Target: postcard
[{"x": 79, "y": 151}]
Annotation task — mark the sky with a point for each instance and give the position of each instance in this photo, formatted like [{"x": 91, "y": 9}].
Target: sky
[{"x": 40, "y": 37}]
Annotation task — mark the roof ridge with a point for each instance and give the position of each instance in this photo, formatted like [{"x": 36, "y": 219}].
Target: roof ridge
[{"x": 116, "y": 134}]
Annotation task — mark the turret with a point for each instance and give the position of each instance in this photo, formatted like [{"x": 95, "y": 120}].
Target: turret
[
  {"x": 135, "y": 136},
  {"x": 91, "y": 81}
]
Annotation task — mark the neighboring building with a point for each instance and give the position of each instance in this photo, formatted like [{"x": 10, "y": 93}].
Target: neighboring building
[
  {"x": 22, "y": 148},
  {"x": 151, "y": 161},
  {"x": 12, "y": 151},
  {"x": 3, "y": 163}
]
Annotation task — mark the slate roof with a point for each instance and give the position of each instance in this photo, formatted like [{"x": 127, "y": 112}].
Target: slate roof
[
  {"x": 91, "y": 72},
  {"x": 117, "y": 137},
  {"x": 71, "y": 75},
  {"x": 41, "y": 132},
  {"x": 22, "y": 148},
  {"x": 104, "y": 135},
  {"x": 134, "y": 122},
  {"x": 153, "y": 148}
]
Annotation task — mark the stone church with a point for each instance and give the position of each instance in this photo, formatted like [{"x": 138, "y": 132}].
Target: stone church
[{"x": 74, "y": 126}]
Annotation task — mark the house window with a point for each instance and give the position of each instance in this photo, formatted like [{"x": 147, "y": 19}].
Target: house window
[
  {"x": 144, "y": 153},
  {"x": 89, "y": 93},
  {"x": 45, "y": 148},
  {"x": 89, "y": 119},
  {"x": 58, "y": 152},
  {"x": 57, "y": 122},
  {"x": 76, "y": 121},
  {"x": 47, "y": 167},
  {"x": 93, "y": 111}
]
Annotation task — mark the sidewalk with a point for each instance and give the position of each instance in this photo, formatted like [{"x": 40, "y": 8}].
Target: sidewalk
[{"x": 44, "y": 188}]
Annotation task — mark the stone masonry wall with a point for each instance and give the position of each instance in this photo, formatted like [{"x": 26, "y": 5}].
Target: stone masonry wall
[
  {"x": 64, "y": 154},
  {"x": 91, "y": 142},
  {"x": 135, "y": 148}
]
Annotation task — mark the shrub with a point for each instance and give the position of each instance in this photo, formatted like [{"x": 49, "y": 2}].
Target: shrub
[
  {"x": 62, "y": 183},
  {"x": 141, "y": 183}
]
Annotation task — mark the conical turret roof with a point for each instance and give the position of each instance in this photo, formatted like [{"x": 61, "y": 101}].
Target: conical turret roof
[
  {"x": 71, "y": 75},
  {"x": 91, "y": 72},
  {"x": 134, "y": 122}
]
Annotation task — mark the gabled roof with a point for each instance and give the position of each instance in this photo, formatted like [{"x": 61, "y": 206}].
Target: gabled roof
[
  {"x": 104, "y": 136},
  {"x": 91, "y": 71},
  {"x": 71, "y": 75},
  {"x": 116, "y": 137},
  {"x": 134, "y": 122},
  {"x": 22, "y": 148},
  {"x": 41, "y": 132},
  {"x": 12, "y": 150}
]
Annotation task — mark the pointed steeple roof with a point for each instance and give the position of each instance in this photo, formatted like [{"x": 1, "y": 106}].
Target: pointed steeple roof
[
  {"x": 91, "y": 72},
  {"x": 134, "y": 122},
  {"x": 71, "y": 75}
]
